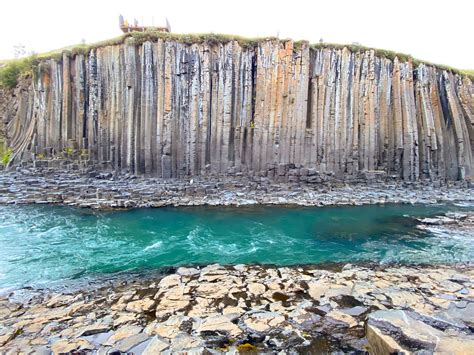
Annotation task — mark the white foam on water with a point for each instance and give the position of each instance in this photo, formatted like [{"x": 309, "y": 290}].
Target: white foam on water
[
  {"x": 154, "y": 245},
  {"x": 464, "y": 204},
  {"x": 201, "y": 239},
  {"x": 447, "y": 233}
]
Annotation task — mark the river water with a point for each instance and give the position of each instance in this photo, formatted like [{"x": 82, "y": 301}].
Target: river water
[{"x": 42, "y": 245}]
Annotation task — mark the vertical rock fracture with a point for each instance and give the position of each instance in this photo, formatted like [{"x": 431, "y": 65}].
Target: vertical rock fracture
[{"x": 170, "y": 109}]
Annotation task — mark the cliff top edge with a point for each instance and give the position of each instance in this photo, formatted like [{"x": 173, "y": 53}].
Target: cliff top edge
[{"x": 212, "y": 39}]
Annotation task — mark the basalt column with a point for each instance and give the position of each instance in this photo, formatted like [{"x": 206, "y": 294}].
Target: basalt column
[{"x": 276, "y": 108}]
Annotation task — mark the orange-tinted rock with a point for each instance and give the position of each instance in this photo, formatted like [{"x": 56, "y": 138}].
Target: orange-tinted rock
[{"x": 171, "y": 109}]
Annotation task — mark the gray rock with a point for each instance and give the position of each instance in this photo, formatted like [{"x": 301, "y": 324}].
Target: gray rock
[
  {"x": 185, "y": 271},
  {"x": 185, "y": 342},
  {"x": 459, "y": 312},
  {"x": 355, "y": 311},
  {"x": 156, "y": 346},
  {"x": 396, "y": 331},
  {"x": 126, "y": 344}
]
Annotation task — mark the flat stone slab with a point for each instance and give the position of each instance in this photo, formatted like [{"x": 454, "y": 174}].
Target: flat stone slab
[
  {"x": 250, "y": 307},
  {"x": 92, "y": 189},
  {"x": 394, "y": 331}
]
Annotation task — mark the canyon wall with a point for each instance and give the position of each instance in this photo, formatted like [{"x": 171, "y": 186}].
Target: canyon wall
[{"x": 169, "y": 109}]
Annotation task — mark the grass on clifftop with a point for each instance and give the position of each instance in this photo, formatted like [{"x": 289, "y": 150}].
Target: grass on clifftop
[
  {"x": 468, "y": 72},
  {"x": 384, "y": 53},
  {"x": 10, "y": 70}
]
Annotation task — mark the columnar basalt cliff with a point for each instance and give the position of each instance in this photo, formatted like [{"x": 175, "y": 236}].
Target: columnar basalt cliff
[{"x": 170, "y": 109}]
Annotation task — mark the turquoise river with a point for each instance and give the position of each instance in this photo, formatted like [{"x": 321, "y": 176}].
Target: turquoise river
[{"x": 43, "y": 245}]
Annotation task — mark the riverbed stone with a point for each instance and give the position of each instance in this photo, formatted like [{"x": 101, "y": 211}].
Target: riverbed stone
[
  {"x": 141, "y": 306},
  {"x": 256, "y": 288},
  {"x": 343, "y": 318},
  {"x": 167, "y": 307},
  {"x": 122, "y": 333},
  {"x": 124, "y": 318},
  {"x": 219, "y": 323},
  {"x": 156, "y": 346},
  {"x": 67, "y": 346},
  {"x": 187, "y": 271},
  {"x": 462, "y": 311},
  {"x": 209, "y": 290},
  {"x": 6, "y": 337},
  {"x": 94, "y": 329},
  {"x": 285, "y": 316},
  {"x": 404, "y": 298},
  {"x": 263, "y": 321},
  {"x": 317, "y": 289},
  {"x": 125, "y": 344},
  {"x": 388, "y": 330},
  {"x": 168, "y": 329},
  {"x": 185, "y": 342},
  {"x": 170, "y": 281}
]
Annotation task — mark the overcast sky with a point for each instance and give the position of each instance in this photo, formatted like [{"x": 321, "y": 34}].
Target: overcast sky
[{"x": 437, "y": 31}]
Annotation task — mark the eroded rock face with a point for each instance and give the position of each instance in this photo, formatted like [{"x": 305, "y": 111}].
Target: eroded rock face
[
  {"x": 285, "y": 111},
  {"x": 359, "y": 311}
]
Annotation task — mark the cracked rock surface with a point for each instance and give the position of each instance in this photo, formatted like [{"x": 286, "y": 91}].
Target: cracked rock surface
[
  {"x": 277, "y": 108},
  {"x": 229, "y": 309},
  {"x": 102, "y": 190}
]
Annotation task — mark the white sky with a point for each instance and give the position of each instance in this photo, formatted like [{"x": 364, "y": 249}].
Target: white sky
[{"x": 437, "y": 31}]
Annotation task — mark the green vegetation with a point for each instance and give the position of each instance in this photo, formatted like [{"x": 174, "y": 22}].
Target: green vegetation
[
  {"x": 359, "y": 48},
  {"x": 468, "y": 72},
  {"x": 69, "y": 151},
  {"x": 5, "y": 157},
  {"x": 10, "y": 70},
  {"x": 192, "y": 38},
  {"x": 391, "y": 55}
]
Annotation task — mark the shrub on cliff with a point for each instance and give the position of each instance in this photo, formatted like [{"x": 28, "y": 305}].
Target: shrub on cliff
[
  {"x": 5, "y": 157},
  {"x": 12, "y": 70}
]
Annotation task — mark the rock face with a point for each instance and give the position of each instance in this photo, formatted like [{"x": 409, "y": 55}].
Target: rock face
[
  {"x": 355, "y": 310},
  {"x": 277, "y": 108}
]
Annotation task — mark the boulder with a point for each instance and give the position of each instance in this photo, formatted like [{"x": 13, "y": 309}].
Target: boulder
[{"x": 391, "y": 331}]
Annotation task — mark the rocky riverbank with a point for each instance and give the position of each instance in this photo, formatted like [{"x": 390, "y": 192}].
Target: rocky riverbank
[
  {"x": 108, "y": 190},
  {"x": 251, "y": 308}
]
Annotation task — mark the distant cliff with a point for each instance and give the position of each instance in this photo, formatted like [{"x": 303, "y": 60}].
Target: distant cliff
[{"x": 172, "y": 109}]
